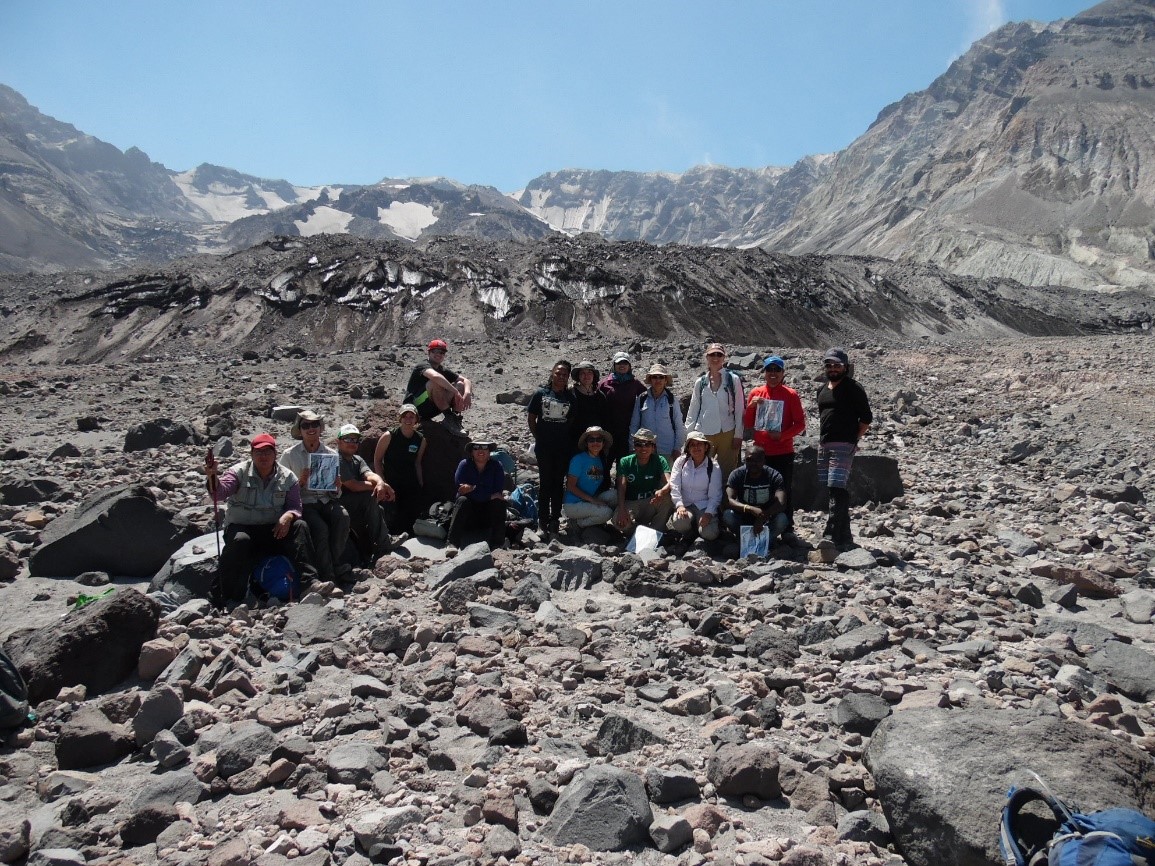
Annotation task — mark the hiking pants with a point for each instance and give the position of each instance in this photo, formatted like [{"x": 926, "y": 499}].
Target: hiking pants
[
  {"x": 247, "y": 544},
  {"x": 469, "y": 514},
  {"x": 688, "y": 526},
  {"x": 367, "y": 524},
  {"x": 655, "y": 517},
  {"x": 552, "y": 464},
  {"x": 329, "y": 528},
  {"x": 585, "y": 514},
  {"x": 727, "y": 453}
]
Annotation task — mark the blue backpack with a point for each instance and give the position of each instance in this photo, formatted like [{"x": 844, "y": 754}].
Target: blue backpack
[
  {"x": 1111, "y": 837},
  {"x": 524, "y": 499},
  {"x": 275, "y": 576}
]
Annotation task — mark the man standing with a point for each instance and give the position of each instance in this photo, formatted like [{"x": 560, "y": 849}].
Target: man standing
[
  {"x": 328, "y": 521},
  {"x": 775, "y": 416},
  {"x": 436, "y": 390},
  {"x": 263, "y": 519},
  {"x": 845, "y": 416}
]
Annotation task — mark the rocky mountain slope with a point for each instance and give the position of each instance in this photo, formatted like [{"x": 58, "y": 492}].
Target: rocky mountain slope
[
  {"x": 1032, "y": 157},
  {"x": 347, "y": 293}
]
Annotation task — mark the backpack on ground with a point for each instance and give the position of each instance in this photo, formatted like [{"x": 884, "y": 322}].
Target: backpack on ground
[
  {"x": 13, "y": 694},
  {"x": 524, "y": 499},
  {"x": 436, "y": 525},
  {"x": 508, "y": 465},
  {"x": 1111, "y": 837},
  {"x": 275, "y": 576}
]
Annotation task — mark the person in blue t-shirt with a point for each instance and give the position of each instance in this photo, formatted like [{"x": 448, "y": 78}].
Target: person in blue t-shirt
[{"x": 589, "y": 498}]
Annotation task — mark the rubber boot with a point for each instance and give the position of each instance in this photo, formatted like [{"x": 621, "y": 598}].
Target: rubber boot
[
  {"x": 829, "y": 502},
  {"x": 840, "y": 518}
]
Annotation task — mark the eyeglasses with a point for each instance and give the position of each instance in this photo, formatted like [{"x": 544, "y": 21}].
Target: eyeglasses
[
  {"x": 351, "y": 439},
  {"x": 595, "y": 439},
  {"x": 638, "y": 443},
  {"x": 310, "y": 425}
]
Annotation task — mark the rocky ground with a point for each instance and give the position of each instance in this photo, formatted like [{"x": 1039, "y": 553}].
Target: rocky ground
[{"x": 576, "y": 704}]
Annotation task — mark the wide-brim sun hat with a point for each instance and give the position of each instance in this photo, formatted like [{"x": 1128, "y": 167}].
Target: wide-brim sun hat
[
  {"x": 305, "y": 415},
  {"x": 645, "y": 435},
  {"x": 698, "y": 436},
  {"x": 589, "y": 431},
  {"x": 659, "y": 370},
  {"x": 576, "y": 369}
]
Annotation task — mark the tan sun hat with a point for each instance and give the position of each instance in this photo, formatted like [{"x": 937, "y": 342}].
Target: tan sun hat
[
  {"x": 699, "y": 436},
  {"x": 305, "y": 415},
  {"x": 609, "y": 440},
  {"x": 659, "y": 370}
]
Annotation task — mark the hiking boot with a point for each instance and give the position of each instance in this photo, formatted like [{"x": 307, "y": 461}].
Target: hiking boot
[
  {"x": 790, "y": 539},
  {"x": 452, "y": 421}
]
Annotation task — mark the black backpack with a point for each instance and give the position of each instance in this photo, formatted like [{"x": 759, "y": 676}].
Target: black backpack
[{"x": 13, "y": 694}]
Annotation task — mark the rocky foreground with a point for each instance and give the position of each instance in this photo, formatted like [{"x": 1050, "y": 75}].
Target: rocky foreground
[{"x": 573, "y": 703}]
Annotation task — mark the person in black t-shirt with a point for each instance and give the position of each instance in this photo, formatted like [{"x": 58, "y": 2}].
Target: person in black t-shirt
[
  {"x": 755, "y": 495},
  {"x": 549, "y": 422},
  {"x": 845, "y": 416},
  {"x": 436, "y": 390}
]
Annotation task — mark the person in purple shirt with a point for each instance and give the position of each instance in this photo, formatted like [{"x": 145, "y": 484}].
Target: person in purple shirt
[
  {"x": 480, "y": 496},
  {"x": 621, "y": 390},
  {"x": 263, "y": 519}
]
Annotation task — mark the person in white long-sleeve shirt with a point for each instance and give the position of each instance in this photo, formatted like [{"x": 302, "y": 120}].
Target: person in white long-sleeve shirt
[
  {"x": 696, "y": 490},
  {"x": 717, "y": 404}
]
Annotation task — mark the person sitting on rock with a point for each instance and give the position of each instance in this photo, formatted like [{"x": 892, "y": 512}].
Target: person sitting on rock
[
  {"x": 621, "y": 390},
  {"x": 657, "y": 410},
  {"x": 435, "y": 390},
  {"x": 775, "y": 416},
  {"x": 643, "y": 485},
  {"x": 328, "y": 520},
  {"x": 480, "y": 496},
  {"x": 696, "y": 490},
  {"x": 590, "y": 497},
  {"x": 756, "y": 496},
  {"x": 590, "y": 407},
  {"x": 362, "y": 492},
  {"x": 398, "y": 458},
  {"x": 263, "y": 518}
]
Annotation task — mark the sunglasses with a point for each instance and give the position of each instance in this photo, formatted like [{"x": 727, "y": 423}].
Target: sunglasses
[
  {"x": 773, "y": 370},
  {"x": 715, "y": 355},
  {"x": 479, "y": 448},
  {"x": 595, "y": 439},
  {"x": 640, "y": 444},
  {"x": 310, "y": 425},
  {"x": 833, "y": 364},
  {"x": 438, "y": 351},
  {"x": 353, "y": 439}
]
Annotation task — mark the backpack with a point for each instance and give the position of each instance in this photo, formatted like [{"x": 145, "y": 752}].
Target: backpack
[
  {"x": 508, "y": 465},
  {"x": 727, "y": 381},
  {"x": 524, "y": 499},
  {"x": 13, "y": 694},
  {"x": 1111, "y": 837},
  {"x": 275, "y": 576}
]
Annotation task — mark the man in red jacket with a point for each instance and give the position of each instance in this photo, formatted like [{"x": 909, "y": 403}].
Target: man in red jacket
[{"x": 774, "y": 412}]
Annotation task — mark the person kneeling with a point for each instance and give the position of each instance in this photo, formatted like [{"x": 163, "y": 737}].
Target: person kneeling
[
  {"x": 263, "y": 519},
  {"x": 589, "y": 499},
  {"x": 643, "y": 486},
  {"x": 756, "y": 496},
  {"x": 480, "y": 496},
  {"x": 696, "y": 482}
]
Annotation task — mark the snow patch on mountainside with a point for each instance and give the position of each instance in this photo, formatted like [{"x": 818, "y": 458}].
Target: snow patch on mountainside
[
  {"x": 407, "y": 218},
  {"x": 225, "y": 202},
  {"x": 324, "y": 220}
]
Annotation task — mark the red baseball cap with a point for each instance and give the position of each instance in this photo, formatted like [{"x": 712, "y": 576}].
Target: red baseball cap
[
  {"x": 263, "y": 440},
  {"x": 438, "y": 344}
]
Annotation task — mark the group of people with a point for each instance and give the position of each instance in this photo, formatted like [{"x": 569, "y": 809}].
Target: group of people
[{"x": 612, "y": 450}]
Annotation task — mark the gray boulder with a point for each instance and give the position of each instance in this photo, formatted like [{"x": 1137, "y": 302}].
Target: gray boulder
[
  {"x": 27, "y": 490},
  {"x": 772, "y": 645},
  {"x": 471, "y": 560},
  {"x": 158, "y": 711},
  {"x": 1126, "y": 667},
  {"x": 575, "y": 568},
  {"x": 96, "y": 646},
  {"x": 121, "y": 530},
  {"x": 248, "y": 743},
  {"x": 161, "y": 431},
  {"x": 942, "y": 776},
  {"x": 189, "y": 572},
  {"x": 91, "y": 739},
  {"x": 859, "y": 712},
  {"x": 875, "y": 479},
  {"x": 315, "y": 623},
  {"x": 604, "y": 808},
  {"x": 619, "y": 735},
  {"x": 747, "y": 768},
  {"x": 355, "y": 763}
]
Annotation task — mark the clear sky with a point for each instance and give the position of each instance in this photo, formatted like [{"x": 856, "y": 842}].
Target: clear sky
[{"x": 483, "y": 91}]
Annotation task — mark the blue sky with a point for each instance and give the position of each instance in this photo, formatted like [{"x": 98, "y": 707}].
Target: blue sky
[{"x": 351, "y": 91}]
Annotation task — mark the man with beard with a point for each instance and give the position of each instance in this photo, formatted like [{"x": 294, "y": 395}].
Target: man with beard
[{"x": 845, "y": 416}]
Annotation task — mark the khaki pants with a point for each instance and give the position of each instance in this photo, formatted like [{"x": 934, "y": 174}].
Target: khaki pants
[
  {"x": 689, "y": 528},
  {"x": 727, "y": 453},
  {"x": 585, "y": 514},
  {"x": 652, "y": 516}
]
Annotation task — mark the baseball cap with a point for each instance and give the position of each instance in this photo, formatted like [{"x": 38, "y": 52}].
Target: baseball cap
[
  {"x": 773, "y": 361},
  {"x": 263, "y": 440},
  {"x": 438, "y": 344},
  {"x": 348, "y": 430}
]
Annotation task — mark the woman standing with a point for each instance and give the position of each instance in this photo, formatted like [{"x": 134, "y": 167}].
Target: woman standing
[
  {"x": 548, "y": 418},
  {"x": 622, "y": 391},
  {"x": 657, "y": 410},
  {"x": 716, "y": 408},
  {"x": 590, "y": 408},
  {"x": 397, "y": 458}
]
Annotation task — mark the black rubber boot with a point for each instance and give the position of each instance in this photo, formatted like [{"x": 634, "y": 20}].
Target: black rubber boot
[
  {"x": 829, "y": 503},
  {"x": 840, "y": 518}
]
